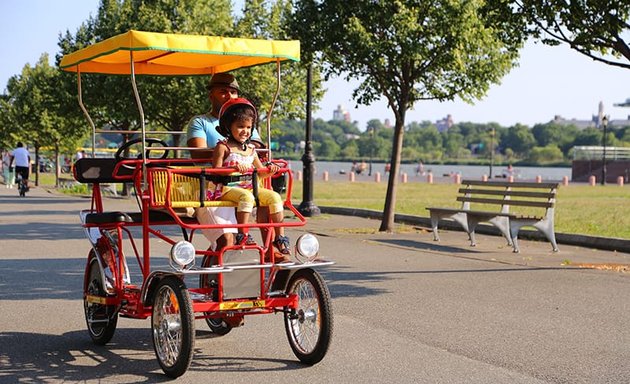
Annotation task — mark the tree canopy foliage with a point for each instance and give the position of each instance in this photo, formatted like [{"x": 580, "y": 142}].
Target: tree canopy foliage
[
  {"x": 465, "y": 142},
  {"x": 170, "y": 102},
  {"x": 407, "y": 51},
  {"x": 598, "y": 29},
  {"x": 35, "y": 110}
]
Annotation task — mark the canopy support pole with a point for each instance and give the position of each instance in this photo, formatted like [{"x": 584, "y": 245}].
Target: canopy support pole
[
  {"x": 85, "y": 112},
  {"x": 142, "y": 127},
  {"x": 273, "y": 103}
]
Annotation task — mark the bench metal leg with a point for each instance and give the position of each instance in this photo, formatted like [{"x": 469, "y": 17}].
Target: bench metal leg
[
  {"x": 503, "y": 224},
  {"x": 459, "y": 217},
  {"x": 472, "y": 225},
  {"x": 434, "y": 226},
  {"x": 545, "y": 226},
  {"x": 514, "y": 233}
]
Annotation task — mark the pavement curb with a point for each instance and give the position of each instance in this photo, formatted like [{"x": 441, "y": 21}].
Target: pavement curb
[{"x": 603, "y": 243}]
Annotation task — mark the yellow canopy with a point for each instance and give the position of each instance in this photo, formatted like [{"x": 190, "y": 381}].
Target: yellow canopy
[{"x": 175, "y": 54}]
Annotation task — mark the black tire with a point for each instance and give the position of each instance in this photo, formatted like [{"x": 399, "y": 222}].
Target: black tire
[
  {"x": 173, "y": 326},
  {"x": 101, "y": 319},
  {"x": 310, "y": 328},
  {"x": 217, "y": 325}
]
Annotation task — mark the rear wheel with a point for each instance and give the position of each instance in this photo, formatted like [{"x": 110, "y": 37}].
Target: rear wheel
[
  {"x": 101, "y": 319},
  {"x": 173, "y": 326},
  {"x": 310, "y": 328}
]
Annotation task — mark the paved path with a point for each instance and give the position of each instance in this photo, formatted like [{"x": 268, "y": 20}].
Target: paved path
[{"x": 407, "y": 310}]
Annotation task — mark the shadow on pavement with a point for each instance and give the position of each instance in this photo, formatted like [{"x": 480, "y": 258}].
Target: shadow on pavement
[
  {"x": 41, "y": 279},
  {"x": 36, "y": 357},
  {"x": 432, "y": 246},
  {"x": 48, "y": 212},
  {"x": 42, "y": 231},
  {"x": 28, "y": 200}
]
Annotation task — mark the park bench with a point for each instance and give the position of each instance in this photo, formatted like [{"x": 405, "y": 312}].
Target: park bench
[{"x": 490, "y": 201}]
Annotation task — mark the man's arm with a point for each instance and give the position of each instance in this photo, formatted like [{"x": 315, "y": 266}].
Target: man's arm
[{"x": 198, "y": 142}]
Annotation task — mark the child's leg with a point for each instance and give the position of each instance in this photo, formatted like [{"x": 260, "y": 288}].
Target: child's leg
[
  {"x": 278, "y": 217},
  {"x": 276, "y": 213},
  {"x": 245, "y": 201},
  {"x": 242, "y": 217}
]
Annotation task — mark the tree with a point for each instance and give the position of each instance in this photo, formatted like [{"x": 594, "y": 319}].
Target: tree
[
  {"x": 268, "y": 20},
  {"x": 598, "y": 29},
  {"x": 407, "y": 51},
  {"x": 37, "y": 111},
  {"x": 588, "y": 136},
  {"x": 520, "y": 139},
  {"x": 547, "y": 154},
  {"x": 552, "y": 133},
  {"x": 170, "y": 102}
]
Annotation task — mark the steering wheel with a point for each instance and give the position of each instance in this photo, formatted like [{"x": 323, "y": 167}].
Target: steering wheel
[{"x": 149, "y": 143}]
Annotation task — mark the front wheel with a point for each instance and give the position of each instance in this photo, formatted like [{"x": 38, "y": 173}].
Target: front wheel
[
  {"x": 101, "y": 319},
  {"x": 173, "y": 326},
  {"x": 310, "y": 327}
]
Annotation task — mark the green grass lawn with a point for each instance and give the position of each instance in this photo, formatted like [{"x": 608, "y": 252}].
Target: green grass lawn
[{"x": 581, "y": 209}]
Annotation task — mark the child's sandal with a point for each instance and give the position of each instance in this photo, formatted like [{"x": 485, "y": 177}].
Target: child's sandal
[
  {"x": 283, "y": 244},
  {"x": 244, "y": 239}
]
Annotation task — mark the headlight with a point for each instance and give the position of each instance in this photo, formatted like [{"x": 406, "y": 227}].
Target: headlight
[
  {"x": 307, "y": 247},
  {"x": 182, "y": 255}
]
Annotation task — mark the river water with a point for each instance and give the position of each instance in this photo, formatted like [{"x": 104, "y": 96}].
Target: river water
[{"x": 340, "y": 170}]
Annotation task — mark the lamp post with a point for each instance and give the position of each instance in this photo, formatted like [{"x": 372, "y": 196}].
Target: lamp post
[
  {"x": 605, "y": 125},
  {"x": 371, "y": 149},
  {"x": 491, "y": 151},
  {"x": 307, "y": 206}
]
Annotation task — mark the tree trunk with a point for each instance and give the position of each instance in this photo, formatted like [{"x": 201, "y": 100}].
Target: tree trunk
[
  {"x": 57, "y": 165},
  {"x": 387, "y": 223},
  {"x": 36, "y": 165},
  {"x": 176, "y": 143}
]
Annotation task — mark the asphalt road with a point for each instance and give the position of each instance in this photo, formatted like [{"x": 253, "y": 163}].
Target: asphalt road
[{"x": 406, "y": 310}]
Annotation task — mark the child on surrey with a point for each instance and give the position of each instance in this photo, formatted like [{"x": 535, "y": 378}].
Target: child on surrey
[{"x": 236, "y": 122}]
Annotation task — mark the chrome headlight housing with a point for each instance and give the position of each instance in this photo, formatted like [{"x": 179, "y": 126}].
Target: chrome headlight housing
[
  {"x": 182, "y": 255},
  {"x": 307, "y": 248}
]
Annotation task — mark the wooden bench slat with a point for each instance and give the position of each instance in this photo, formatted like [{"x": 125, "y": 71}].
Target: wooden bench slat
[
  {"x": 517, "y": 184},
  {"x": 521, "y": 203},
  {"x": 496, "y": 192}
]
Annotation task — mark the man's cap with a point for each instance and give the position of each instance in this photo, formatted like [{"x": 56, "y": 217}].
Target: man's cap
[{"x": 223, "y": 80}]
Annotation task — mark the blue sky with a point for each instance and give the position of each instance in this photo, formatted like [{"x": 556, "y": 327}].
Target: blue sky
[{"x": 549, "y": 80}]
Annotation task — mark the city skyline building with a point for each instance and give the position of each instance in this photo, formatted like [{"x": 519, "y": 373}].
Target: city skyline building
[
  {"x": 341, "y": 114},
  {"x": 442, "y": 125}
]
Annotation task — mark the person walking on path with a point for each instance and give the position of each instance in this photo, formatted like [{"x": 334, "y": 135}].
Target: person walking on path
[{"x": 7, "y": 171}]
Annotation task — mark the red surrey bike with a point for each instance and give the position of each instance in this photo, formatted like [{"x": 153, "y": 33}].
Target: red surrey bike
[{"x": 224, "y": 286}]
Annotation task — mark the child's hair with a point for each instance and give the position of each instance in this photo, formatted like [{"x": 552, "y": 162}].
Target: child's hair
[{"x": 235, "y": 110}]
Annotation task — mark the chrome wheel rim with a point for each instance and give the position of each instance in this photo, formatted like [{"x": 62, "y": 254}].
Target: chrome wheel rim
[
  {"x": 306, "y": 327},
  {"x": 167, "y": 326}
]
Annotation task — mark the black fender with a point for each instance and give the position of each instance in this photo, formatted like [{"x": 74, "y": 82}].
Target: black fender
[{"x": 150, "y": 285}]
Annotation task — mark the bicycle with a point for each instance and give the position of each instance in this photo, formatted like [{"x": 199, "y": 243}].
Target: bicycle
[{"x": 22, "y": 184}]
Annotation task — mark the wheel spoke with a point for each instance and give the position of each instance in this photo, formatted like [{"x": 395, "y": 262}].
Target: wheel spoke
[
  {"x": 173, "y": 327},
  {"x": 310, "y": 327}
]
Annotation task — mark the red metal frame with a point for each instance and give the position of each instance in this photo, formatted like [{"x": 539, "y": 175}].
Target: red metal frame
[{"x": 128, "y": 296}]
